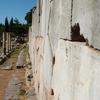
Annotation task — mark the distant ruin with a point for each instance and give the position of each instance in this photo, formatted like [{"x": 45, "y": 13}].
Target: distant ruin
[{"x": 6, "y": 46}]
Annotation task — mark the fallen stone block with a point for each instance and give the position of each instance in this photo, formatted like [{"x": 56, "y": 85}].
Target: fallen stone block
[
  {"x": 9, "y": 67},
  {"x": 21, "y": 60}
]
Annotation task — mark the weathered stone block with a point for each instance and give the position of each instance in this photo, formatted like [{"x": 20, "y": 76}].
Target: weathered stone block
[
  {"x": 21, "y": 60},
  {"x": 87, "y": 14},
  {"x": 60, "y": 21},
  {"x": 76, "y": 72}
]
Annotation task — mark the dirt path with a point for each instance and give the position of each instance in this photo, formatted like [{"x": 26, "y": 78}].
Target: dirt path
[{"x": 6, "y": 75}]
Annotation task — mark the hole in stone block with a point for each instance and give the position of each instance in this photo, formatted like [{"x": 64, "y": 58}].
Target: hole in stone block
[
  {"x": 75, "y": 33},
  {"x": 52, "y": 92},
  {"x": 37, "y": 49},
  {"x": 54, "y": 60},
  {"x": 87, "y": 44},
  {"x": 38, "y": 87}
]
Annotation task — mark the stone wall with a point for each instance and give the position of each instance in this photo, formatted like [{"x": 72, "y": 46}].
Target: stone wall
[
  {"x": 87, "y": 14},
  {"x": 64, "y": 69}
]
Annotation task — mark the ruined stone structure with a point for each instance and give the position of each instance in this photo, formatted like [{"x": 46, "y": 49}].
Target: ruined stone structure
[
  {"x": 64, "y": 47},
  {"x": 6, "y": 46},
  {"x": 6, "y": 42}
]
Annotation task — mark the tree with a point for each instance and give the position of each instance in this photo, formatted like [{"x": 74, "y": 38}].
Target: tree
[
  {"x": 11, "y": 25},
  {"x": 2, "y": 29},
  {"x": 16, "y": 21},
  {"x": 15, "y": 27},
  {"x": 6, "y": 25},
  {"x": 28, "y": 16}
]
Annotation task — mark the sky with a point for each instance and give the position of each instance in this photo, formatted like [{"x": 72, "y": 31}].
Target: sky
[{"x": 15, "y": 8}]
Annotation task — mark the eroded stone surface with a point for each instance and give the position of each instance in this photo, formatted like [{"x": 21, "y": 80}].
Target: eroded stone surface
[
  {"x": 87, "y": 14},
  {"x": 62, "y": 69},
  {"x": 76, "y": 73}
]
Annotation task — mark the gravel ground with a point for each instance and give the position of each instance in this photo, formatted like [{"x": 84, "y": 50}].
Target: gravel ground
[
  {"x": 11, "y": 78},
  {"x": 13, "y": 89}
]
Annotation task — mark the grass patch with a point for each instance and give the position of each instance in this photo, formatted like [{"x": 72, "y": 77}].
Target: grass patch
[{"x": 22, "y": 92}]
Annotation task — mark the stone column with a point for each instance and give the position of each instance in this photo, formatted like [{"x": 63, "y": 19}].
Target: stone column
[
  {"x": 7, "y": 43},
  {"x": 11, "y": 45},
  {"x": 4, "y": 43}
]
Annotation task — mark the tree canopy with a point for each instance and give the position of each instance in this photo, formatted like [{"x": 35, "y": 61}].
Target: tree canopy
[
  {"x": 28, "y": 16},
  {"x": 14, "y": 26},
  {"x": 6, "y": 25}
]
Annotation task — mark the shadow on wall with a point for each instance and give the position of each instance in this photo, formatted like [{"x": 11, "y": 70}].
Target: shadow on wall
[{"x": 75, "y": 34}]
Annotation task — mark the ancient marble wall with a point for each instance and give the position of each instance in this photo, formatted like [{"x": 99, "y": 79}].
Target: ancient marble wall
[
  {"x": 87, "y": 14},
  {"x": 64, "y": 69}
]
